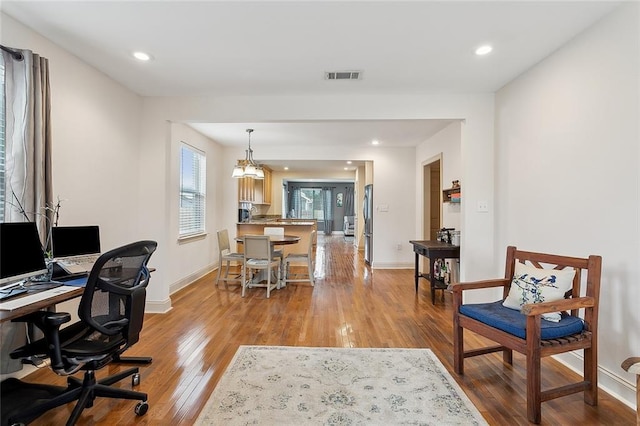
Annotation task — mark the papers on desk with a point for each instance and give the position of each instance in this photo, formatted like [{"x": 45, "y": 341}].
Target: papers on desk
[{"x": 19, "y": 302}]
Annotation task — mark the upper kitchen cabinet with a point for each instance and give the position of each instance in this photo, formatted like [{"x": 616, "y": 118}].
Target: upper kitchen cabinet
[{"x": 256, "y": 191}]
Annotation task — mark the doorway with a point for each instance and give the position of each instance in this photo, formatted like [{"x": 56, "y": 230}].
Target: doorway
[{"x": 432, "y": 207}]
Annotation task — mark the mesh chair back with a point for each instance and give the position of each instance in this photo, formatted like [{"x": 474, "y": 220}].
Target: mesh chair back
[{"x": 114, "y": 297}]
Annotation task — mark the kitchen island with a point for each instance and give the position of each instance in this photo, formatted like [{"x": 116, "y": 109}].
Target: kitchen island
[{"x": 299, "y": 227}]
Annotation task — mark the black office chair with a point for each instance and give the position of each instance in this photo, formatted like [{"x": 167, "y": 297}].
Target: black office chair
[{"x": 111, "y": 313}]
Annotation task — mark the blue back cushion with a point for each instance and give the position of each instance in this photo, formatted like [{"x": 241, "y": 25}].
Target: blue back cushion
[{"x": 513, "y": 322}]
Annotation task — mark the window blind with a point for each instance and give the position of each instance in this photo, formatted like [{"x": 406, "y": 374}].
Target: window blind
[{"x": 192, "y": 190}]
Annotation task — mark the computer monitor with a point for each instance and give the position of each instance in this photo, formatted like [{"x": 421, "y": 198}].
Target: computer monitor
[
  {"x": 75, "y": 240},
  {"x": 21, "y": 254}
]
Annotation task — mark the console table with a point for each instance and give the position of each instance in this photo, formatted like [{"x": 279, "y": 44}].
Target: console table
[{"x": 433, "y": 250}]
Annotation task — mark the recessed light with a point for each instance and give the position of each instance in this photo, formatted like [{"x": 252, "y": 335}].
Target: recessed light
[
  {"x": 349, "y": 162},
  {"x": 375, "y": 142},
  {"x": 483, "y": 50},
  {"x": 142, "y": 56},
  {"x": 286, "y": 168},
  {"x": 346, "y": 168}
]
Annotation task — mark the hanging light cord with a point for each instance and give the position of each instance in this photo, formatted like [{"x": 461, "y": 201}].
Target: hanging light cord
[{"x": 250, "y": 151}]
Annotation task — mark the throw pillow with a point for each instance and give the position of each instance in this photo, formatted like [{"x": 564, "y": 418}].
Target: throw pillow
[{"x": 536, "y": 285}]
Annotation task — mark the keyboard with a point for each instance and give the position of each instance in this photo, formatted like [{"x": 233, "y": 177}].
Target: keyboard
[
  {"x": 80, "y": 260},
  {"x": 11, "y": 305},
  {"x": 12, "y": 292},
  {"x": 78, "y": 264}
]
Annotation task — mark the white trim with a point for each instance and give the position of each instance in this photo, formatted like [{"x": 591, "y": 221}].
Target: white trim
[
  {"x": 155, "y": 307},
  {"x": 191, "y": 278},
  {"x": 615, "y": 385}
]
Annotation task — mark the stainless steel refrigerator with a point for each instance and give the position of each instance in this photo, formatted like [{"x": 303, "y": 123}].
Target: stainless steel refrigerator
[{"x": 367, "y": 214}]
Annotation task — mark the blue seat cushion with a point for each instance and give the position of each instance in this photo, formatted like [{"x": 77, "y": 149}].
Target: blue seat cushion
[{"x": 513, "y": 322}]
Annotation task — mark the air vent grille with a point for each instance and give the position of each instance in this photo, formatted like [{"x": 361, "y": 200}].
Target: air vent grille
[{"x": 343, "y": 75}]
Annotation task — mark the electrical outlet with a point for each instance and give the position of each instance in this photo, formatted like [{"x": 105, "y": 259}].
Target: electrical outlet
[
  {"x": 483, "y": 206},
  {"x": 399, "y": 246}
]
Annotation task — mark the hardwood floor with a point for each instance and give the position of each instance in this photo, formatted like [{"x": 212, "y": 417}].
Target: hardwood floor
[{"x": 350, "y": 306}]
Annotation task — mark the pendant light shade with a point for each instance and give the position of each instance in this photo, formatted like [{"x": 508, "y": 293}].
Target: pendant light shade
[{"x": 248, "y": 167}]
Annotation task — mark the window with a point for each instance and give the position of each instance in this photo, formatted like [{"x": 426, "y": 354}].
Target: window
[
  {"x": 192, "y": 190},
  {"x": 310, "y": 204}
]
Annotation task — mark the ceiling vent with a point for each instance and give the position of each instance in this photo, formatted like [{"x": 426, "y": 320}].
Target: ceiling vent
[{"x": 343, "y": 75}]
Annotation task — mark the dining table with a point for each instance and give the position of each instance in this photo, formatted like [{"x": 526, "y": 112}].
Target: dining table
[{"x": 275, "y": 240}]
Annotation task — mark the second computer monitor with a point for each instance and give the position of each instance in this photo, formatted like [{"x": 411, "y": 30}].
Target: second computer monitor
[{"x": 75, "y": 240}]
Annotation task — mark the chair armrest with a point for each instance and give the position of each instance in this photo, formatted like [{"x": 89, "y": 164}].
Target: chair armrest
[
  {"x": 532, "y": 309},
  {"x": 49, "y": 323},
  {"x": 632, "y": 365},
  {"x": 475, "y": 285}
]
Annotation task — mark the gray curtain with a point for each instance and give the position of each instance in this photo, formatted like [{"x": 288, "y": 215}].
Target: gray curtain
[
  {"x": 294, "y": 203},
  {"x": 348, "y": 201},
  {"x": 28, "y": 185},
  {"x": 327, "y": 207},
  {"x": 27, "y": 153}
]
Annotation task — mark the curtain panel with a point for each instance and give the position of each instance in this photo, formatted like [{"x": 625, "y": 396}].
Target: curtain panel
[
  {"x": 327, "y": 206},
  {"x": 348, "y": 202},
  {"x": 28, "y": 183}
]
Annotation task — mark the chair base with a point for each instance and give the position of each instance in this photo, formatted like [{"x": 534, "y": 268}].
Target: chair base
[
  {"x": 41, "y": 398},
  {"x": 237, "y": 279}
]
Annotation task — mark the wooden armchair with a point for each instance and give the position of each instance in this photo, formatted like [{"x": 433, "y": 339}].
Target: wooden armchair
[
  {"x": 526, "y": 332},
  {"x": 632, "y": 365}
]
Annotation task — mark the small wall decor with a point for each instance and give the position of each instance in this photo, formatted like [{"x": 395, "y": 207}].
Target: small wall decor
[{"x": 339, "y": 198}]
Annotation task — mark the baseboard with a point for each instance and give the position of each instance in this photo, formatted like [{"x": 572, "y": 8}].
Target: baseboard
[
  {"x": 189, "y": 279},
  {"x": 157, "y": 307},
  {"x": 610, "y": 382}
]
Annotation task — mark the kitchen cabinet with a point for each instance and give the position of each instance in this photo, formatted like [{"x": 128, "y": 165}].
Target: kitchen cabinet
[
  {"x": 256, "y": 191},
  {"x": 246, "y": 193}
]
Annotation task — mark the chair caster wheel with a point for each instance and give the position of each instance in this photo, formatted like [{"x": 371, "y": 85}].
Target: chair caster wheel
[
  {"x": 141, "y": 408},
  {"x": 135, "y": 379}
]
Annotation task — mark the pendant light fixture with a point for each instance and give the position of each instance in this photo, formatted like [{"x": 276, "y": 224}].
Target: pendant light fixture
[{"x": 248, "y": 167}]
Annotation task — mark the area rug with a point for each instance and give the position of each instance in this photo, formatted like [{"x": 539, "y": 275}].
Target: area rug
[{"x": 276, "y": 385}]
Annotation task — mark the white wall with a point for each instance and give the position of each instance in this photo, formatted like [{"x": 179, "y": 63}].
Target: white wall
[
  {"x": 197, "y": 256},
  {"x": 446, "y": 142},
  {"x": 395, "y": 172},
  {"x": 567, "y": 161},
  {"x": 95, "y": 132}
]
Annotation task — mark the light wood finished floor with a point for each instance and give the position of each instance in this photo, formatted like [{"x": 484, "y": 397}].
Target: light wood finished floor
[{"x": 350, "y": 306}]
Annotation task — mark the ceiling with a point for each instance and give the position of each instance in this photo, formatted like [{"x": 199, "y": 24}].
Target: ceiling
[{"x": 233, "y": 48}]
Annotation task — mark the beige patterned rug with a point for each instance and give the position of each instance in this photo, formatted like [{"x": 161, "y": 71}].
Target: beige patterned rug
[{"x": 277, "y": 385}]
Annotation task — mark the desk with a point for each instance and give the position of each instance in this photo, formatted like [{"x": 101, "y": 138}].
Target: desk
[
  {"x": 433, "y": 250},
  {"x": 40, "y": 305}
]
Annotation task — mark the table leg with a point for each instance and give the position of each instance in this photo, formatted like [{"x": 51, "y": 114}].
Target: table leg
[
  {"x": 432, "y": 262},
  {"x": 417, "y": 272}
]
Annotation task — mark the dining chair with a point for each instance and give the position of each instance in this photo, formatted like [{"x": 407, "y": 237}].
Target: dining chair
[
  {"x": 226, "y": 256},
  {"x": 258, "y": 256},
  {"x": 275, "y": 230},
  {"x": 298, "y": 258}
]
